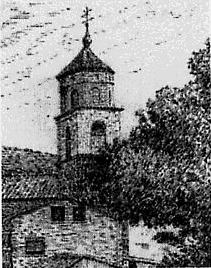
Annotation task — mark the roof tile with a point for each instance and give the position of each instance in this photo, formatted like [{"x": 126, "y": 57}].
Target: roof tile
[
  {"x": 22, "y": 179},
  {"x": 85, "y": 61}
]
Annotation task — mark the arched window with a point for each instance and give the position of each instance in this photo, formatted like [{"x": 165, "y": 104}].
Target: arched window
[
  {"x": 74, "y": 98},
  {"x": 68, "y": 143},
  {"x": 95, "y": 95},
  {"x": 98, "y": 135}
]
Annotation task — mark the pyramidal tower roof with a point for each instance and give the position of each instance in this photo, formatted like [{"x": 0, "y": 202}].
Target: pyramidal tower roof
[{"x": 86, "y": 60}]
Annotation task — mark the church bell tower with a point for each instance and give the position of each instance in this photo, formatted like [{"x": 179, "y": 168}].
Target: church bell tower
[{"x": 88, "y": 118}]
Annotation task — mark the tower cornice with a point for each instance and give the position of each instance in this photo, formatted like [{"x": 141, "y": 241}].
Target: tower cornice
[{"x": 71, "y": 112}]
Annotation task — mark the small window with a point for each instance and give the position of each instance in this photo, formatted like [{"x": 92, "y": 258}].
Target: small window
[
  {"x": 132, "y": 264},
  {"x": 58, "y": 213},
  {"x": 144, "y": 245},
  {"x": 74, "y": 98},
  {"x": 98, "y": 135},
  {"x": 95, "y": 92},
  {"x": 79, "y": 213},
  {"x": 35, "y": 245}
]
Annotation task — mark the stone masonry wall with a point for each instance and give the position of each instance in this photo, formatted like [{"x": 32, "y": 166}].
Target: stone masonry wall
[
  {"x": 80, "y": 123},
  {"x": 84, "y": 83},
  {"x": 98, "y": 236}
]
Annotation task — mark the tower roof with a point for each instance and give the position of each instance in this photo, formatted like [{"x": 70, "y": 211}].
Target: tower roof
[{"x": 86, "y": 60}]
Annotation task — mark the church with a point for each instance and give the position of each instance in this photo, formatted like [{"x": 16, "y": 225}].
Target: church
[{"x": 44, "y": 223}]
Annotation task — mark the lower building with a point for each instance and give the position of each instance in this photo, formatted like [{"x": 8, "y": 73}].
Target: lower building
[
  {"x": 43, "y": 227},
  {"x": 62, "y": 227}
]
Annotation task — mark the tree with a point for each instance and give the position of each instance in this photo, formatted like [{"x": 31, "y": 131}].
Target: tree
[{"x": 161, "y": 174}]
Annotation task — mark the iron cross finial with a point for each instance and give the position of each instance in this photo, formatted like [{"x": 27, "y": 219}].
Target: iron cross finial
[
  {"x": 87, "y": 39},
  {"x": 86, "y": 17}
]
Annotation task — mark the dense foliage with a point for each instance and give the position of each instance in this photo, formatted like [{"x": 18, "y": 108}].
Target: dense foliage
[{"x": 161, "y": 174}]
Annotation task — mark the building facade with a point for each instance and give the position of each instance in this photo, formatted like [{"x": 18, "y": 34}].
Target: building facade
[
  {"x": 42, "y": 227},
  {"x": 65, "y": 230}
]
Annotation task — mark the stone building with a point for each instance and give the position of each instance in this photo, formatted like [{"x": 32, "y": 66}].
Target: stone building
[
  {"x": 44, "y": 224},
  {"x": 43, "y": 227},
  {"x": 88, "y": 116},
  {"x": 46, "y": 221}
]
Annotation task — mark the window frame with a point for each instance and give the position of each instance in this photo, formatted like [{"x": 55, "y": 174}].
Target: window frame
[
  {"x": 95, "y": 93},
  {"x": 78, "y": 217},
  {"x": 61, "y": 217},
  {"x": 98, "y": 134},
  {"x": 35, "y": 240},
  {"x": 74, "y": 99}
]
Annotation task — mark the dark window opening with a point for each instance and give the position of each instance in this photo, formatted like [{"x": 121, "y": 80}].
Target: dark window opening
[
  {"x": 79, "y": 213},
  {"x": 58, "y": 213},
  {"x": 132, "y": 264},
  {"x": 98, "y": 135},
  {"x": 35, "y": 245},
  {"x": 95, "y": 95},
  {"x": 74, "y": 99},
  {"x": 143, "y": 245},
  {"x": 68, "y": 143}
]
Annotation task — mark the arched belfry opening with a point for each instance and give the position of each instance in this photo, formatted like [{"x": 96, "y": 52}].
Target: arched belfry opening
[
  {"x": 98, "y": 136},
  {"x": 95, "y": 92},
  {"x": 74, "y": 99}
]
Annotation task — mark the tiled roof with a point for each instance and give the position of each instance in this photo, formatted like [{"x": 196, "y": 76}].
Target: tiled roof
[
  {"x": 17, "y": 162},
  {"x": 28, "y": 174},
  {"x": 30, "y": 188},
  {"x": 85, "y": 61}
]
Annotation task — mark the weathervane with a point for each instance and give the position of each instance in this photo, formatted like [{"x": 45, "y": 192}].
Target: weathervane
[{"x": 87, "y": 39}]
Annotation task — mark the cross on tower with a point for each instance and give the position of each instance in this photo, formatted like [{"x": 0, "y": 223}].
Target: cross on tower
[
  {"x": 87, "y": 39},
  {"x": 86, "y": 17}
]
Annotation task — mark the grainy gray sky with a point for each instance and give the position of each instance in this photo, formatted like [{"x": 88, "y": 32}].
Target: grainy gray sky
[{"x": 146, "y": 42}]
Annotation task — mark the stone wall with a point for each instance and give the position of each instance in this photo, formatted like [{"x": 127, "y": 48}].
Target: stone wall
[
  {"x": 84, "y": 83},
  {"x": 86, "y": 97},
  {"x": 80, "y": 123},
  {"x": 11, "y": 210},
  {"x": 92, "y": 263},
  {"x": 98, "y": 236}
]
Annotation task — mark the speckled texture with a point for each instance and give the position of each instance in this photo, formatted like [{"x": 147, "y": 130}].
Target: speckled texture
[
  {"x": 98, "y": 236},
  {"x": 87, "y": 61}
]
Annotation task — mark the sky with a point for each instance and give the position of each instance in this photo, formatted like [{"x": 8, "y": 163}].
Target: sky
[{"x": 147, "y": 43}]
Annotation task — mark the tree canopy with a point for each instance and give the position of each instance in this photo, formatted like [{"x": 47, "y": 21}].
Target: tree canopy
[{"x": 161, "y": 174}]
